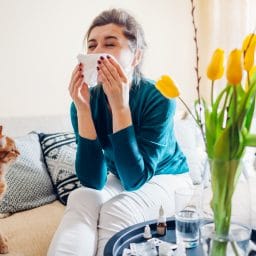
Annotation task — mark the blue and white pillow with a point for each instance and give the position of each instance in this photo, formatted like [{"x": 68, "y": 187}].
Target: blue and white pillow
[
  {"x": 59, "y": 150},
  {"x": 28, "y": 182}
]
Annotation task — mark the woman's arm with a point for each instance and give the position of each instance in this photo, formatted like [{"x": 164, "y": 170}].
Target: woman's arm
[
  {"x": 137, "y": 153},
  {"x": 90, "y": 165},
  {"x": 86, "y": 128}
]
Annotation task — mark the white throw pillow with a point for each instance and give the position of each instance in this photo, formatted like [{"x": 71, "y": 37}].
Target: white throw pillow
[{"x": 191, "y": 144}]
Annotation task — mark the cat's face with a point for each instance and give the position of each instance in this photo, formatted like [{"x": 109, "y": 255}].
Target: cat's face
[{"x": 8, "y": 150}]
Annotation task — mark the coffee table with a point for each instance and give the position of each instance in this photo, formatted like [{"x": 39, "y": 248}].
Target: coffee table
[{"x": 134, "y": 234}]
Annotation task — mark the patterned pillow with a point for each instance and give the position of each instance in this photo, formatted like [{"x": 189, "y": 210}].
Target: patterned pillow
[
  {"x": 59, "y": 151},
  {"x": 28, "y": 182}
]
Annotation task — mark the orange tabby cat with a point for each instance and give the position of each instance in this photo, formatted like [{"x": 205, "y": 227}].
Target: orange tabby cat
[{"x": 8, "y": 153}]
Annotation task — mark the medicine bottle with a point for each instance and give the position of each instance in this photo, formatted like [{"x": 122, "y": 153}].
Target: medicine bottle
[{"x": 161, "y": 223}]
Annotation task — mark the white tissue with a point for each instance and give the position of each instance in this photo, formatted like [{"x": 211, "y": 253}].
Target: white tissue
[
  {"x": 181, "y": 250},
  {"x": 165, "y": 250},
  {"x": 90, "y": 67}
]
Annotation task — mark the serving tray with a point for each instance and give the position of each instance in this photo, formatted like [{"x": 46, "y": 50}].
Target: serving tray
[{"x": 134, "y": 234}]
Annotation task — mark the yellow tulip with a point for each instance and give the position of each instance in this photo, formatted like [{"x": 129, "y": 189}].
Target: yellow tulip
[
  {"x": 251, "y": 38},
  {"x": 167, "y": 87},
  {"x": 215, "y": 69},
  {"x": 249, "y": 57},
  {"x": 248, "y": 49},
  {"x": 251, "y": 73},
  {"x": 234, "y": 67}
]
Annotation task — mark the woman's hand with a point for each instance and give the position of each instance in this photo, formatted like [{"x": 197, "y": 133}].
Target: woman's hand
[
  {"x": 80, "y": 94},
  {"x": 116, "y": 87},
  {"x": 115, "y": 83},
  {"x": 79, "y": 90}
]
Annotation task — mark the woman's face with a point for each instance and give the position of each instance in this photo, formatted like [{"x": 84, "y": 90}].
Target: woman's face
[{"x": 110, "y": 39}]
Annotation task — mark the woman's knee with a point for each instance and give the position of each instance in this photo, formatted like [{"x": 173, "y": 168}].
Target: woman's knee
[
  {"x": 120, "y": 212},
  {"x": 144, "y": 204},
  {"x": 85, "y": 198}
]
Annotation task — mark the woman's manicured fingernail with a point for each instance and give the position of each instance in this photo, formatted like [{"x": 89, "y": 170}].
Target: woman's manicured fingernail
[
  {"x": 99, "y": 62},
  {"x": 80, "y": 69},
  {"x": 108, "y": 57},
  {"x": 101, "y": 57},
  {"x": 98, "y": 68},
  {"x": 82, "y": 75},
  {"x": 80, "y": 64}
]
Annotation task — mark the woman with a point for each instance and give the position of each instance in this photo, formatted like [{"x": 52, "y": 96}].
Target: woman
[{"x": 124, "y": 127}]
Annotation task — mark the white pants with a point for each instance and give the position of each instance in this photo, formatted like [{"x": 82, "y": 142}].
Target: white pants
[{"x": 92, "y": 217}]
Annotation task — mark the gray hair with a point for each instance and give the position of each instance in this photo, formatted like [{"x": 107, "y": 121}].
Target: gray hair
[{"x": 131, "y": 28}]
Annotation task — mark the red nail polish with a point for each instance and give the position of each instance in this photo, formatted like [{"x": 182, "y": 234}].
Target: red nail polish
[
  {"x": 82, "y": 76},
  {"x": 98, "y": 68},
  {"x": 99, "y": 62},
  {"x": 108, "y": 56},
  {"x": 101, "y": 57}
]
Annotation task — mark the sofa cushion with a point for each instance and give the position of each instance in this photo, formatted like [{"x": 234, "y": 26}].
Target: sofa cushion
[
  {"x": 59, "y": 151},
  {"x": 190, "y": 141},
  {"x": 30, "y": 232},
  {"x": 28, "y": 182}
]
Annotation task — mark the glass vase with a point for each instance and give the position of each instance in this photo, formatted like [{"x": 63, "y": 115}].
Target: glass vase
[
  {"x": 226, "y": 209},
  {"x": 235, "y": 243}
]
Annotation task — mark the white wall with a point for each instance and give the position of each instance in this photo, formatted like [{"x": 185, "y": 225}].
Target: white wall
[
  {"x": 40, "y": 39},
  {"x": 222, "y": 24}
]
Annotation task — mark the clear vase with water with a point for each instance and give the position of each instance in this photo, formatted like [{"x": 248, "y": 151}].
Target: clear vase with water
[
  {"x": 236, "y": 243},
  {"x": 226, "y": 209}
]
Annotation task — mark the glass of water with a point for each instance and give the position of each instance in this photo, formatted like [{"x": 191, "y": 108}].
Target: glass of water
[{"x": 187, "y": 216}]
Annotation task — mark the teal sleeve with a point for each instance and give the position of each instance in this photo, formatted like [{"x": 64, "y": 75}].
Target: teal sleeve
[
  {"x": 90, "y": 165},
  {"x": 137, "y": 153}
]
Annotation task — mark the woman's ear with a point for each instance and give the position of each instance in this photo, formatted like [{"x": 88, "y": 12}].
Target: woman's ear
[{"x": 137, "y": 57}]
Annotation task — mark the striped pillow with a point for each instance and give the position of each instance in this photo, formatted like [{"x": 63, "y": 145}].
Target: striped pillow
[{"x": 59, "y": 150}]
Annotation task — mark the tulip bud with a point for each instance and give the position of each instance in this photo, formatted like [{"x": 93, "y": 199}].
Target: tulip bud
[
  {"x": 249, "y": 57},
  {"x": 250, "y": 40},
  {"x": 167, "y": 87},
  {"x": 251, "y": 73},
  {"x": 234, "y": 67},
  {"x": 215, "y": 69}
]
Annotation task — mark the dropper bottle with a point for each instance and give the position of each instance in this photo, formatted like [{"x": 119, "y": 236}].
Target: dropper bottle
[{"x": 161, "y": 223}]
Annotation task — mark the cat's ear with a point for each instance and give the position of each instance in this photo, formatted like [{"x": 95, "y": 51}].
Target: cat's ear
[
  {"x": 2, "y": 137},
  {"x": 2, "y": 155}
]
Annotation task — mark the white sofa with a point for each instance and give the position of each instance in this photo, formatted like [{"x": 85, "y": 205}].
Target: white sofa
[{"x": 29, "y": 232}]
